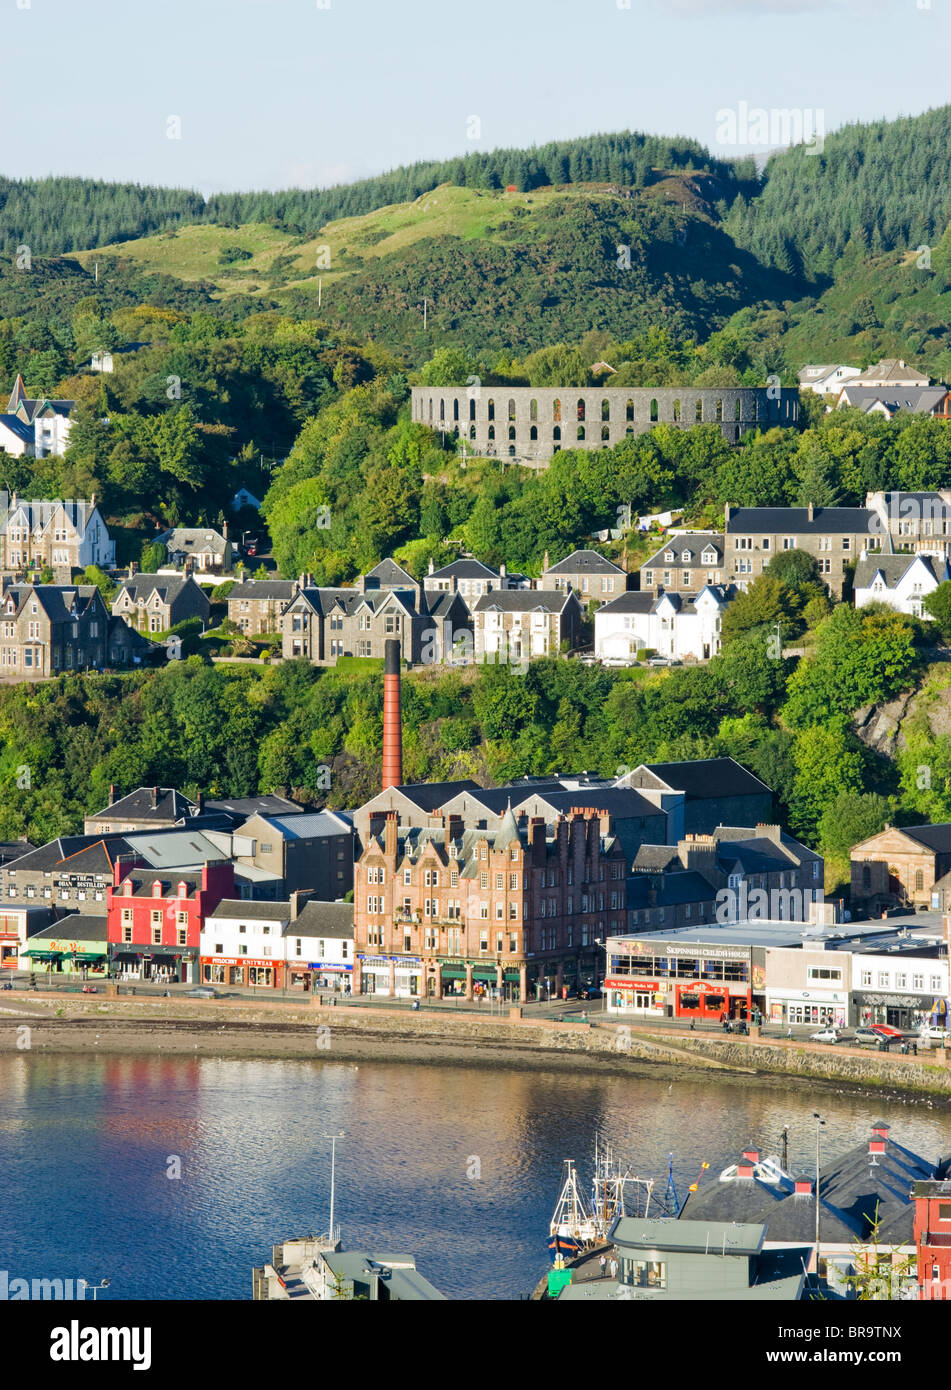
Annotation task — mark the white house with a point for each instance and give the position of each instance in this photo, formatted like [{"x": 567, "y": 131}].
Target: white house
[
  {"x": 901, "y": 987},
  {"x": 902, "y": 581},
  {"x": 826, "y": 379},
  {"x": 673, "y": 625}
]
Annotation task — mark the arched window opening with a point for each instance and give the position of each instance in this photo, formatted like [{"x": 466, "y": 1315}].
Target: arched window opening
[
  {"x": 581, "y": 408},
  {"x": 581, "y": 431},
  {"x": 556, "y": 412},
  {"x": 472, "y": 408},
  {"x": 472, "y": 431},
  {"x": 491, "y": 431},
  {"x": 556, "y": 432},
  {"x": 629, "y": 411},
  {"x": 533, "y": 432},
  {"x": 719, "y": 416},
  {"x": 491, "y": 410},
  {"x": 430, "y": 410},
  {"x": 511, "y": 431},
  {"x": 677, "y": 412},
  {"x": 699, "y": 415},
  {"x": 455, "y": 409},
  {"x": 606, "y": 432},
  {"x": 511, "y": 448},
  {"x": 511, "y": 408},
  {"x": 442, "y": 411},
  {"x": 654, "y": 416},
  {"x": 736, "y": 409},
  {"x": 605, "y": 409},
  {"x": 629, "y": 430},
  {"x": 533, "y": 410}
]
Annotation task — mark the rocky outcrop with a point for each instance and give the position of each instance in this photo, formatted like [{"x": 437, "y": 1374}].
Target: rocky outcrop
[{"x": 879, "y": 726}]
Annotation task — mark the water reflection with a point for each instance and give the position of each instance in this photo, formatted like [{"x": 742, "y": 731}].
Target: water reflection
[{"x": 461, "y": 1166}]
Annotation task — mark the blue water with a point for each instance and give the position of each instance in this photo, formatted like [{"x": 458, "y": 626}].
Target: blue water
[{"x": 86, "y": 1143}]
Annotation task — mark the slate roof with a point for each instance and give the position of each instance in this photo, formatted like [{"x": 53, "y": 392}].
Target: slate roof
[
  {"x": 465, "y": 569},
  {"x": 333, "y": 921},
  {"x": 429, "y": 796},
  {"x": 936, "y": 837},
  {"x": 585, "y": 562},
  {"x": 240, "y": 808},
  {"x": 523, "y": 601},
  {"x": 388, "y": 574},
  {"x": 76, "y": 926},
  {"x": 894, "y": 567},
  {"x": 631, "y": 601},
  {"x": 695, "y": 543},
  {"x": 253, "y": 911},
  {"x": 142, "y": 586},
  {"x": 887, "y": 368},
  {"x": 795, "y": 520},
  {"x": 143, "y": 879},
  {"x": 916, "y": 400},
  {"x": 18, "y": 427},
  {"x": 709, "y": 777},
  {"x": 669, "y": 889},
  {"x": 192, "y": 540},
  {"x": 264, "y": 589},
  {"x": 74, "y": 853},
  {"x": 172, "y": 806}
]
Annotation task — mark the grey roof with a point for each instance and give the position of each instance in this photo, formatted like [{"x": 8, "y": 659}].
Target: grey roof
[
  {"x": 917, "y": 400},
  {"x": 631, "y": 601},
  {"x": 388, "y": 574},
  {"x": 308, "y": 825},
  {"x": 585, "y": 562},
  {"x": 694, "y": 543},
  {"x": 76, "y": 926},
  {"x": 176, "y": 850},
  {"x": 687, "y": 1236},
  {"x": 18, "y": 427},
  {"x": 333, "y": 921},
  {"x": 142, "y": 586},
  {"x": 709, "y": 777},
  {"x": 258, "y": 911},
  {"x": 61, "y": 603},
  {"x": 894, "y": 567},
  {"x": 891, "y": 368},
  {"x": 193, "y": 540},
  {"x": 670, "y": 889},
  {"x": 523, "y": 601},
  {"x": 429, "y": 796},
  {"x": 268, "y": 804},
  {"x": 171, "y": 805},
  {"x": 850, "y": 521},
  {"x": 465, "y": 569},
  {"x": 264, "y": 589},
  {"x": 936, "y": 837},
  {"x": 39, "y": 515},
  {"x": 91, "y": 853}
]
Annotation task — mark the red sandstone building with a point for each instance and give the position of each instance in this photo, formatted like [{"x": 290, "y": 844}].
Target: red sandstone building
[
  {"x": 155, "y": 920},
  {"x": 518, "y": 911},
  {"x": 933, "y": 1238}
]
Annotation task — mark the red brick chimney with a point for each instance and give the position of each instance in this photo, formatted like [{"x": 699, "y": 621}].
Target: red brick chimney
[
  {"x": 392, "y": 717},
  {"x": 389, "y": 835}
]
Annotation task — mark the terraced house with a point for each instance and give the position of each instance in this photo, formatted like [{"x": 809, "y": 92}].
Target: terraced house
[
  {"x": 519, "y": 624},
  {"x": 836, "y": 536},
  {"x": 326, "y": 624},
  {"x": 62, "y": 536},
  {"x": 258, "y": 605},
  {"x": 686, "y": 562}
]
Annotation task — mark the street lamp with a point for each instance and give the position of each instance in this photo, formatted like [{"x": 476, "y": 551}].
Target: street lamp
[
  {"x": 819, "y": 1123},
  {"x": 103, "y": 1284},
  {"x": 333, "y": 1169}
]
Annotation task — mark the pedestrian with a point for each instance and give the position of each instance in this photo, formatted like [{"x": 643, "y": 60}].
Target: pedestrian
[
  {"x": 914, "y": 1048},
  {"x": 613, "y": 1268},
  {"x": 693, "y": 1024},
  {"x": 789, "y": 1031},
  {"x": 603, "y": 1263}
]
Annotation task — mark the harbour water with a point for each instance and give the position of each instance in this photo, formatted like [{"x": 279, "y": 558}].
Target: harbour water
[{"x": 460, "y": 1166}]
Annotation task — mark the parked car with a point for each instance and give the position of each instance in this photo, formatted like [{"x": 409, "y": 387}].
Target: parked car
[
  {"x": 658, "y": 661},
  {"x": 885, "y": 1030},
  {"x": 867, "y": 1037},
  {"x": 202, "y": 992},
  {"x": 825, "y": 1035},
  {"x": 932, "y": 1031},
  {"x": 589, "y": 992}
]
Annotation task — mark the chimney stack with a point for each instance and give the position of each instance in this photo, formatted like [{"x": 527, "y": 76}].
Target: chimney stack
[
  {"x": 112, "y": 793},
  {"x": 155, "y": 798},
  {"x": 811, "y": 511},
  {"x": 392, "y": 717}
]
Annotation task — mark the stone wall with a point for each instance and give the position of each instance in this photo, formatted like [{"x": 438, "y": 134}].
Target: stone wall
[{"x": 532, "y": 423}]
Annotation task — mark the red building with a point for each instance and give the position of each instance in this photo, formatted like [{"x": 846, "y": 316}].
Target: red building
[
  {"x": 155, "y": 920},
  {"x": 933, "y": 1237}
]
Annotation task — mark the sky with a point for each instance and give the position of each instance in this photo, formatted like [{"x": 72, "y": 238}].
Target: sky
[{"x": 281, "y": 93}]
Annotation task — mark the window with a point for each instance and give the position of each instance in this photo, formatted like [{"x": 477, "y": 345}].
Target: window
[
  {"x": 127, "y": 934},
  {"x": 156, "y": 936}
]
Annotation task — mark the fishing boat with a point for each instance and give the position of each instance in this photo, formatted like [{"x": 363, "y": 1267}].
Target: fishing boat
[{"x": 576, "y": 1226}]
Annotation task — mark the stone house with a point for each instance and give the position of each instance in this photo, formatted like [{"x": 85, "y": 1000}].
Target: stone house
[
  {"x": 326, "y": 624},
  {"x": 258, "y": 605},
  {"x": 585, "y": 573},
  {"x": 147, "y": 808},
  {"x": 918, "y": 521},
  {"x": 62, "y": 536},
  {"x": 46, "y": 629},
  {"x": 518, "y": 624},
  {"x": 900, "y": 866},
  {"x": 157, "y": 602},
  {"x": 835, "y": 536},
  {"x": 701, "y": 794},
  {"x": 200, "y": 547},
  {"x": 45, "y": 422},
  {"x": 684, "y": 563},
  {"x": 468, "y": 577},
  {"x": 515, "y": 910}
]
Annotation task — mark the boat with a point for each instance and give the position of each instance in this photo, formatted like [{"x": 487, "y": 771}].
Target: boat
[{"x": 577, "y": 1226}]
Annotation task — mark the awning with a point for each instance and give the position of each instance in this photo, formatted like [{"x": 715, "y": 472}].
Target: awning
[
  {"x": 452, "y": 972},
  {"x": 37, "y": 954},
  {"x": 481, "y": 972},
  {"x": 90, "y": 955}
]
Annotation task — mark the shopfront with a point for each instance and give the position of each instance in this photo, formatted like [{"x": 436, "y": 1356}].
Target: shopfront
[
  {"x": 399, "y": 977},
  {"x": 158, "y": 966},
  {"x": 824, "y": 1008},
  {"x": 898, "y": 1010},
  {"x": 9, "y": 949},
  {"x": 331, "y": 975},
  {"x": 87, "y": 960},
  {"x": 239, "y": 970},
  {"x": 644, "y": 997}
]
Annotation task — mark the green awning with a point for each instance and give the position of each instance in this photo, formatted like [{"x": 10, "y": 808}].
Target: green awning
[
  {"x": 37, "y": 954},
  {"x": 89, "y": 955},
  {"x": 452, "y": 972},
  {"x": 514, "y": 975},
  {"x": 482, "y": 972}
]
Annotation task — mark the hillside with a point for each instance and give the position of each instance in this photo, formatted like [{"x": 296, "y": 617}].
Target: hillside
[{"x": 499, "y": 271}]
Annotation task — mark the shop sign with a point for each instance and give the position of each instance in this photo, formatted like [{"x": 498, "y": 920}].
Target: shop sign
[
  {"x": 238, "y": 960},
  {"x": 643, "y": 986},
  {"x": 386, "y": 960},
  {"x": 322, "y": 965}
]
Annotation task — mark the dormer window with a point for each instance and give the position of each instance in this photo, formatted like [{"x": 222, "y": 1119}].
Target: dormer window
[{"x": 669, "y": 556}]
